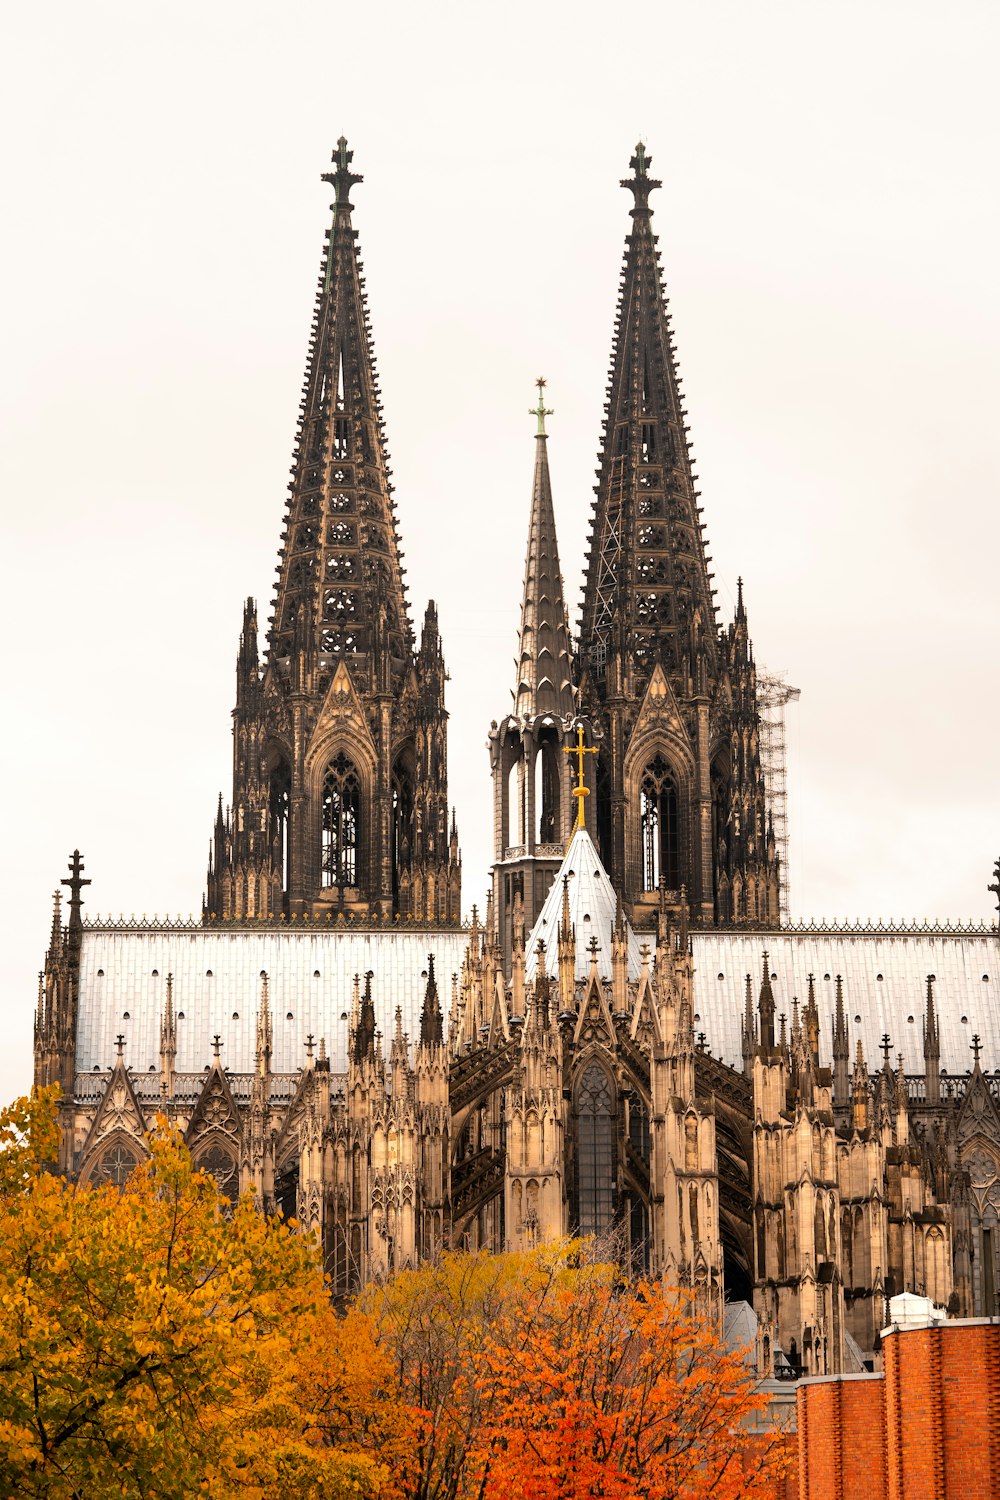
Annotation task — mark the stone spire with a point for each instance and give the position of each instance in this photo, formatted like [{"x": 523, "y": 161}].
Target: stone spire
[
  {"x": 647, "y": 569},
  {"x": 932, "y": 1047},
  {"x": 431, "y": 1019},
  {"x": 364, "y": 1035},
  {"x": 765, "y": 1006},
  {"x": 344, "y": 570},
  {"x": 340, "y": 787},
  {"x": 545, "y": 667}
]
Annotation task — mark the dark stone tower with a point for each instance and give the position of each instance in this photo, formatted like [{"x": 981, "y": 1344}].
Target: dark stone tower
[
  {"x": 340, "y": 793},
  {"x": 679, "y": 810}
]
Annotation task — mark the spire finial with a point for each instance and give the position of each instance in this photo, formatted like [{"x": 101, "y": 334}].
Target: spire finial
[
  {"x": 977, "y": 1047},
  {"x": 541, "y": 411},
  {"x": 343, "y": 179},
  {"x": 580, "y": 791},
  {"x": 640, "y": 184}
]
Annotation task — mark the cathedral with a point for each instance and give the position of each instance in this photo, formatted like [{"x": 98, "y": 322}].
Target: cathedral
[{"x": 627, "y": 1040}]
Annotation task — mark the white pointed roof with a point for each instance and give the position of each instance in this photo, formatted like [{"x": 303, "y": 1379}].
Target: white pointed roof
[{"x": 592, "y": 907}]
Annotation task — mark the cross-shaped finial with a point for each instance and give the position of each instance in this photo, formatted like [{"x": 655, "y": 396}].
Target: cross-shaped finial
[
  {"x": 593, "y": 948},
  {"x": 76, "y": 883},
  {"x": 886, "y": 1045},
  {"x": 216, "y": 1044},
  {"x": 310, "y": 1040},
  {"x": 541, "y": 411},
  {"x": 995, "y": 886},
  {"x": 640, "y": 183},
  {"x": 701, "y": 1041},
  {"x": 120, "y": 1044},
  {"x": 977, "y": 1047},
  {"x": 580, "y": 791}
]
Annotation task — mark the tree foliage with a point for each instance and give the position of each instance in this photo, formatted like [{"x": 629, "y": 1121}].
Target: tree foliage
[
  {"x": 545, "y": 1376},
  {"x": 156, "y": 1343},
  {"x": 151, "y": 1343}
]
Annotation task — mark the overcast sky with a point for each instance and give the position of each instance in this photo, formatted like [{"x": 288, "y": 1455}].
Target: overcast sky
[{"x": 831, "y": 240}]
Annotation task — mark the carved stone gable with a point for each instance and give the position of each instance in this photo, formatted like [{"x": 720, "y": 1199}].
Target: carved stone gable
[
  {"x": 593, "y": 1023},
  {"x": 119, "y": 1110},
  {"x": 978, "y": 1115},
  {"x": 660, "y": 710},
  {"x": 215, "y": 1113},
  {"x": 342, "y": 710}
]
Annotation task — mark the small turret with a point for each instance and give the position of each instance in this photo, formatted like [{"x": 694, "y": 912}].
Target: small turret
[
  {"x": 841, "y": 1047},
  {"x": 932, "y": 1047},
  {"x": 765, "y": 1007},
  {"x": 168, "y": 1041}
]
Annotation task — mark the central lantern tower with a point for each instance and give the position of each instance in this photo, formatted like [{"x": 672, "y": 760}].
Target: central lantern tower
[{"x": 340, "y": 790}]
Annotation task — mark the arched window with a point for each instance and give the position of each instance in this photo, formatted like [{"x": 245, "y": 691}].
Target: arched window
[
  {"x": 118, "y": 1162},
  {"x": 280, "y": 796},
  {"x": 341, "y": 822},
  {"x": 595, "y": 1110},
  {"x": 402, "y": 826},
  {"x": 547, "y": 789},
  {"x": 660, "y": 827},
  {"x": 220, "y": 1163},
  {"x": 515, "y": 807}
]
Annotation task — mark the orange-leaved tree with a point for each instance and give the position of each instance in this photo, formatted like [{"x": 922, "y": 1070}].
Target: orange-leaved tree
[
  {"x": 546, "y": 1376},
  {"x": 153, "y": 1343}
]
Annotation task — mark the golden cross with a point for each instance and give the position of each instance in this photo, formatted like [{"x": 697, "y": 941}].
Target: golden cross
[
  {"x": 580, "y": 791},
  {"x": 541, "y": 411}
]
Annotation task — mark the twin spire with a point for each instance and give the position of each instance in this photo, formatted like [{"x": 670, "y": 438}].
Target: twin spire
[
  {"x": 340, "y": 592},
  {"x": 648, "y": 588}
]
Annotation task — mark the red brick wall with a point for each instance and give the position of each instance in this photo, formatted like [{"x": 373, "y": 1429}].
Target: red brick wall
[
  {"x": 841, "y": 1439},
  {"x": 928, "y": 1430},
  {"x": 943, "y": 1412}
]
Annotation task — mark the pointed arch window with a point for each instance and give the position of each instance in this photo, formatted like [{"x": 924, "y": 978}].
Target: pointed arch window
[
  {"x": 402, "y": 826},
  {"x": 659, "y": 817},
  {"x": 595, "y": 1111},
  {"x": 341, "y": 822},
  {"x": 280, "y": 798},
  {"x": 118, "y": 1163}
]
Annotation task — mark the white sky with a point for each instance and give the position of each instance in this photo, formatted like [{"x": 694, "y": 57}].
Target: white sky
[{"x": 831, "y": 237}]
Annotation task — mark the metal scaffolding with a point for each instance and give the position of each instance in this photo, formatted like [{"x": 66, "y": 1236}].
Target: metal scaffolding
[{"x": 773, "y": 695}]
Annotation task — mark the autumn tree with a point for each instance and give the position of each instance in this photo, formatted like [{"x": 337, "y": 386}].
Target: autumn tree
[
  {"x": 153, "y": 1343},
  {"x": 546, "y": 1376}
]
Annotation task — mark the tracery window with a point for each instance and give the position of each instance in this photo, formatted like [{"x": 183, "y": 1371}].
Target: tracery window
[
  {"x": 341, "y": 822},
  {"x": 595, "y": 1111},
  {"x": 402, "y": 826},
  {"x": 281, "y": 788},
  {"x": 118, "y": 1162},
  {"x": 221, "y": 1164},
  {"x": 659, "y": 826}
]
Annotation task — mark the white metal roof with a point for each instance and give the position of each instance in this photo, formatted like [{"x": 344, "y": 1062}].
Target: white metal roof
[
  {"x": 217, "y": 986},
  {"x": 885, "y": 985}
]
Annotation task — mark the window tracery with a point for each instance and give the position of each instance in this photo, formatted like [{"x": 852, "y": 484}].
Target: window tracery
[
  {"x": 595, "y": 1110},
  {"x": 341, "y": 822},
  {"x": 659, "y": 820}
]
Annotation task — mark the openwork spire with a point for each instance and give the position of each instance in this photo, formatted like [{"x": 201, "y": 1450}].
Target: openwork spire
[
  {"x": 648, "y": 590},
  {"x": 340, "y": 593},
  {"x": 545, "y": 667}
]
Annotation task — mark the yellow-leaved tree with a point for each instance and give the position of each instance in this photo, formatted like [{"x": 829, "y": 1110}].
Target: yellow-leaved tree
[{"x": 154, "y": 1344}]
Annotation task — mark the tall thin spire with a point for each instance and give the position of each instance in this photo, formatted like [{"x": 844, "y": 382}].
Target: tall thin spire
[
  {"x": 648, "y": 588},
  {"x": 340, "y": 574},
  {"x": 545, "y": 667}
]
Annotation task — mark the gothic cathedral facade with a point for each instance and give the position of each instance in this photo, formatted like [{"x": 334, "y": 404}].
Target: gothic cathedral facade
[{"x": 627, "y": 1042}]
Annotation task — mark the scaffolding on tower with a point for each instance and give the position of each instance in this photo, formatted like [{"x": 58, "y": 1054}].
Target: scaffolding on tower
[{"x": 773, "y": 696}]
